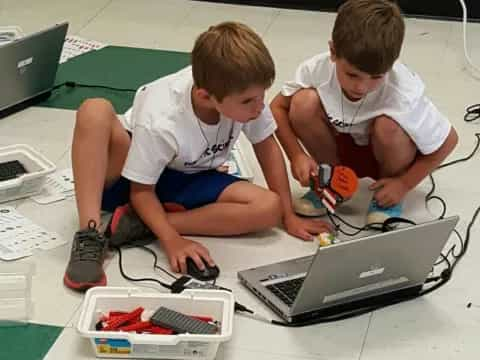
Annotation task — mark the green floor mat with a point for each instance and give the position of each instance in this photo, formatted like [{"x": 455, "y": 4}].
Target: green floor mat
[
  {"x": 112, "y": 66},
  {"x": 30, "y": 342}
]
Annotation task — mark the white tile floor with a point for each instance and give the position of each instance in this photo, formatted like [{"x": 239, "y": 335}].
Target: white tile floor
[{"x": 436, "y": 327}]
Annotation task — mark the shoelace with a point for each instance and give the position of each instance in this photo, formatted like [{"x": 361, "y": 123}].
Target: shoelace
[{"x": 90, "y": 243}]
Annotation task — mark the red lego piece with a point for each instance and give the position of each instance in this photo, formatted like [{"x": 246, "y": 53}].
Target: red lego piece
[
  {"x": 138, "y": 326},
  {"x": 117, "y": 321}
]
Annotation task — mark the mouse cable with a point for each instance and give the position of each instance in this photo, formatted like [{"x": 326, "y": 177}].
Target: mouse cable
[
  {"x": 155, "y": 264},
  {"x": 175, "y": 287},
  {"x": 120, "y": 265},
  {"x": 180, "y": 282}
]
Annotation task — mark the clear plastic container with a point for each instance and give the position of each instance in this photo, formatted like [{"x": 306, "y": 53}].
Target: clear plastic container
[
  {"x": 100, "y": 300},
  {"x": 16, "y": 307},
  {"x": 31, "y": 183}
]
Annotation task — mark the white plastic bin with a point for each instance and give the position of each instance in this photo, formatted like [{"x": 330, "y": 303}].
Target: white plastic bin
[
  {"x": 31, "y": 183},
  {"x": 16, "y": 305},
  {"x": 217, "y": 304}
]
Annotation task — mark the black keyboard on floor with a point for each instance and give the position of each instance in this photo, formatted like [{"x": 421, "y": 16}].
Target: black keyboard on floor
[
  {"x": 288, "y": 290},
  {"x": 11, "y": 170}
]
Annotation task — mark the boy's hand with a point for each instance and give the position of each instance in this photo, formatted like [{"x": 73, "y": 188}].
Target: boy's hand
[
  {"x": 389, "y": 191},
  {"x": 179, "y": 249},
  {"x": 303, "y": 168},
  {"x": 305, "y": 229}
]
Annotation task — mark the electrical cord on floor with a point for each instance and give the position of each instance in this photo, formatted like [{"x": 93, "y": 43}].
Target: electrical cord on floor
[
  {"x": 73, "y": 84},
  {"x": 120, "y": 265},
  {"x": 155, "y": 264}
]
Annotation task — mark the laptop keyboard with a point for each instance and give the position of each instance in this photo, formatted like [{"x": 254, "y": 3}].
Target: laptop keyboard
[
  {"x": 288, "y": 290},
  {"x": 11, "y": 169}
]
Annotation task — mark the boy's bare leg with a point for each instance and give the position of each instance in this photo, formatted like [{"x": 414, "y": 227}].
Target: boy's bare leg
[
  {"x": 241, "y": 208},
  {"x": 392, "y": 147},
  {"x": 395, "y": 152},
  {"x": 99, "y": 149},
  {"x": 309, "y": 122}
]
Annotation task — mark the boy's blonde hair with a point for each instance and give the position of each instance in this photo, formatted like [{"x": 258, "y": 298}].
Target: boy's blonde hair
[
  {"x": 369, "y": 34},
  {"x": 230, "y": 57}
]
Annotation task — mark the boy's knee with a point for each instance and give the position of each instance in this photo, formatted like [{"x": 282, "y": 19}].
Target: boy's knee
[
  {"x": 270, "y": 207},
  {"x": 304, "y": 105},
  {"x": 91, "y": 110},
  {"x": 386, "y": 130},
  {"x": 96, "y": 106}
]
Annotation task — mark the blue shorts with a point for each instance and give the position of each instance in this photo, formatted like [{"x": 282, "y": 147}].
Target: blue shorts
[{"x": 188, "y": 190}]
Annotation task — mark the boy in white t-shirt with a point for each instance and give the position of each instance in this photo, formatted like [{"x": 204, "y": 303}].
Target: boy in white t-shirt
[
  {"x": 161, "y": 158},
  {"x": 357, "y": 106}
]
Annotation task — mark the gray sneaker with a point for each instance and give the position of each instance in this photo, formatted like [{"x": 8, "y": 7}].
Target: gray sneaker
[
  {"x": 85, "y": 268},
  {"x": 127, "y": 229}
]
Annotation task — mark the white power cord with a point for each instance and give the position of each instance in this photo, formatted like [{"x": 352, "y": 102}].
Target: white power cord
[{"x": 465, "y": 49}]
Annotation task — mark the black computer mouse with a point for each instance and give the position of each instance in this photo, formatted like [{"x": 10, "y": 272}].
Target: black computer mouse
[{"x": 210, "y": 272}]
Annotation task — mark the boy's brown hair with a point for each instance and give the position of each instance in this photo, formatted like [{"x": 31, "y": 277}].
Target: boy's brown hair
[
  {"x": 230, "y": 57},
  {"x": 369, "y": 34}
]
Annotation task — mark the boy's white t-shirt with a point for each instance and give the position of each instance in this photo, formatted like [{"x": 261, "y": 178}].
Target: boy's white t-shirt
[
  {"x": 400, "y": 97},
  {"x": 167, "y": 133}
]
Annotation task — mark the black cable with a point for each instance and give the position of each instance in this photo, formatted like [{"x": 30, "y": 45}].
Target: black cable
[
  {"x": 74, "y": 84},
  {"x": 467, "y": 239},
  {"x": 155, "y": 265},
  {"x": 380, "y": 227},
  {"x": 161, "y": 283},
  {"x": 430, "y": 197},
  {"x": 466, "y": 158},
  {"x": 472, "y": 113},
  {"x": 444, "y": 259},
  {"x": 461, "y": 243}
]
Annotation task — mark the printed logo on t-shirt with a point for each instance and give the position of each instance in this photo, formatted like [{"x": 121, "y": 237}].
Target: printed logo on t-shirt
[
  {"x": 337, "y": 122},
  {"x": 210, "y": 151},
  {"x": 340, "y": 123}
]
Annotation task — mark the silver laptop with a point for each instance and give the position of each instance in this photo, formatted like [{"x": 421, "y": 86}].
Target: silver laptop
[
  {"x": 28, "y": 67},
  {"x": 351, "y": 274}
]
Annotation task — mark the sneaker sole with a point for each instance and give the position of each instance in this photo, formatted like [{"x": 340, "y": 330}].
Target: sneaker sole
[{"x": 83, "y": 286}]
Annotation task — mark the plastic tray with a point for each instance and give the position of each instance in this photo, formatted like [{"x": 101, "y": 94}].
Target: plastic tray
[
  {"x": 15, "y": 293},
  {"x": 213, "y": 303},
  {"x": 37, "y": 166}
]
